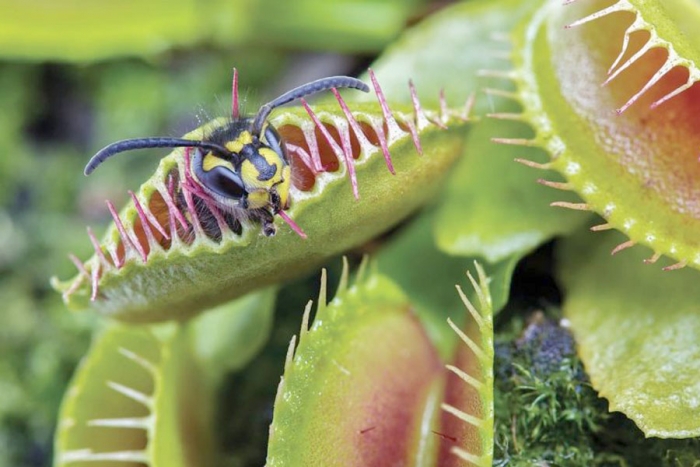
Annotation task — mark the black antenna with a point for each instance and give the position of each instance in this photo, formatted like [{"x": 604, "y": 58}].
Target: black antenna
[
  {"x": 144, "y": 143},
  {"x": 304, "y": 90}
]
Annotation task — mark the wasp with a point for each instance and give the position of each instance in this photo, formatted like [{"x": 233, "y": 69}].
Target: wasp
[{"x": 243, "y": 166}]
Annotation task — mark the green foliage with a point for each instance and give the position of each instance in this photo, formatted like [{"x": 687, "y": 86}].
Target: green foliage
[
  {"x": 40, "y": 345},
  {"x": 81, "y": 31},
  {"x": 536, "y": 85}
]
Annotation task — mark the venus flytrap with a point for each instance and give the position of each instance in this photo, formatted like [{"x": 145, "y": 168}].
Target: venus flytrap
[
  {"x": 144, "y": 395},
  {"x": 168, "y": 232},
  {"x": 127, "y": 399},
  {"x": 632, "y": 134},
  {"x": 491, "y": 209},
  {"x": 366, "y": 386}
]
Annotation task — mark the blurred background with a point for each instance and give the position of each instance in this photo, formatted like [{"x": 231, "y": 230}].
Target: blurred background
[{"x": 76, "y": 75}]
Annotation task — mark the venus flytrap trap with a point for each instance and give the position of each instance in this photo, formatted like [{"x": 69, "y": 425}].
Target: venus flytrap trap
[
  {"x": 667, "y": 25},
  {"x": 128, "y": 401},
  {"x": 144, "y": 395},
  {"x": 366, "y": 386},
  {"x": 171, "y": 230},
  {"x": 468, "y": 404},
  {"x": 632, "y": 135}
]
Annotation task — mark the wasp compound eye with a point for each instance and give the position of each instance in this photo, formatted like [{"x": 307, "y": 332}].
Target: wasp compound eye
[{"x": 224, "y": 182}]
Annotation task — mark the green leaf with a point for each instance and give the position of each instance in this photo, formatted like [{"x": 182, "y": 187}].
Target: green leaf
[
  {"x": 447, "y": 51},
  {"x": 413, "y": 252},
  {"x": 81, "y": 30},
  {"x": 227, "y": 337},
  {"x": 637, "y": 330},
  {"x": 338, "y": 26},
  {"x": 135, "y": 276},
  {"x": 85, "y": 30}
]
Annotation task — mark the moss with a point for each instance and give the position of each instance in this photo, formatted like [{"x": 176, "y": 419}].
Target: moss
[{"x": 548, "y": 414}]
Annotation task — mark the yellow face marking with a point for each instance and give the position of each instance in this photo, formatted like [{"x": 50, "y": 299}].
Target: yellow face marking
[
  {"x": 283, "y": 187},
  {"x": 258, "y": 199},
  {"x": 237, "y": 144},
  {"x": 211, "y": 161},
  {"x": 249, "y": 175}
]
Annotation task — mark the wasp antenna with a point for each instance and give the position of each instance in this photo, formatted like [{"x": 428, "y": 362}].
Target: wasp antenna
[
  {"x": 145, "y": 143},
  {"x": 302, "y": 91}
]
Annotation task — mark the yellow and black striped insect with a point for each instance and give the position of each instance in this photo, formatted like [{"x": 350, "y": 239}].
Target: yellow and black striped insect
[{"x": 243, "y": 166}]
